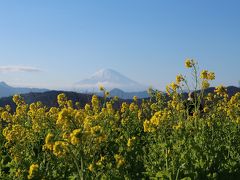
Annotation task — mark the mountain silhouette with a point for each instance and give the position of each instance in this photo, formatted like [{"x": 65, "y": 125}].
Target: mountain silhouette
[
  {"x": 6, "y": 90},
  {"x": 109, "y": 79}
]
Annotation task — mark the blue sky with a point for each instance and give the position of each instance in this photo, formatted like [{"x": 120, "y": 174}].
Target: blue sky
[{"x": 55, "y": 43}]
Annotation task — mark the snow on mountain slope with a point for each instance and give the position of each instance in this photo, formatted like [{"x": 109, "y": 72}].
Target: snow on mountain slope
[{"x": 109, "y": 79}]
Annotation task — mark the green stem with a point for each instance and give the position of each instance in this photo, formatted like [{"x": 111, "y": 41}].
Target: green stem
[
  {"x": 80, "y": 172},
  {"x": 78, "y": 169},
  {"x": 82, "y": 169}
]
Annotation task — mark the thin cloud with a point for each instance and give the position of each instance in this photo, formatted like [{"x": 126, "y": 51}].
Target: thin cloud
[{"x": 4, "y": 69}]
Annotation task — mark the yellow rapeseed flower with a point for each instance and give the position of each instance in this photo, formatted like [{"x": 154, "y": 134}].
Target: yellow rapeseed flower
[
  {"x": 96, "y": 130},
  {"x": 179, "y": 79},
  {"x": 33, "y": 171},
  {"x": 135, "y": 98},
  {"x": 204, "y": 74},
  {"x": 49, "y": 141},
  {"x": 100, "y": 161},
  {"x": 18, "y": 173},
  {"x": 189, "y": 63},
  {"x": 101, "y": 88},
  {"x": 95, "y": 103},
  {"x": 109, "y": 108},
  {"x": 66, "y": 136},
  {"x": 124, "y": 107},
  {"x": 33, "y": 107},
  {"x": 119, "y": 160},
  {"x": 130, "y": 141},
  {"x": 205, "y": 84},
  {"x": 69, "y": 103},
  {"x": 178, "y": 126},
  {"x": 168, "y": 89},
  {"x": 90, "y": 167},
  {"x": 146, "y": 126},
  {"x": 107, "y": 93},
  {"x": 87, "y": 107},
  {"x": 62, "y": 99},
  {"x": 174, "y": 86},
  {"x": 64, "y": 117},
  {"x": 220, "y": 90},
  {"x": 8, "y": 108},
  {"x": 156, "y": 118},
  {"x": 206, "y": 109},
  {"x": 18, "y": 100},
  {"x": 5, "y": 116},
  {"x": 132, "y": 107},
  {"x": 75, "y": 136},
  {"x": 60, "y": 148},
  {"x": 115, "y": 98},
  {"x": 211, "y": 76},
  {"x": 210, "y": 97}
]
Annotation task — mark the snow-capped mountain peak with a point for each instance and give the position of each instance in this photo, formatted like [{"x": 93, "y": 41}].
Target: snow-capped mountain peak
[
  {"x": 110, "y": 79},
  {"x": 106, "y": 74}
]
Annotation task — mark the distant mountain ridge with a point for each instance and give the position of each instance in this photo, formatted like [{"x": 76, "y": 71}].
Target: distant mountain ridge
[
  {"x": 49, "y": 98},
  {"x": 128, "y": 95},
  {"x": 6, "y": 90},
  {"x": 109, "y": 79}
]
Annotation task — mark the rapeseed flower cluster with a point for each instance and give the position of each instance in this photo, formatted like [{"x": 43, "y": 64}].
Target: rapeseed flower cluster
[{"x": 155, "y": 138}]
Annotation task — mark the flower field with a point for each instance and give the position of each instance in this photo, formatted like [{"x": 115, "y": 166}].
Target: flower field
[{"x": 156, "y": 138}]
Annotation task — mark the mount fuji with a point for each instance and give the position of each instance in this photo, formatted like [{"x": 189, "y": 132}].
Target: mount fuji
[{"x": 109, "y": 79}]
